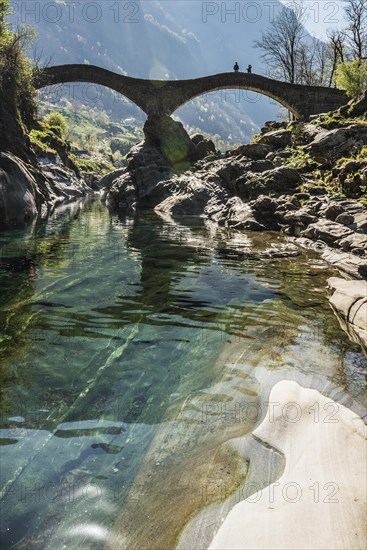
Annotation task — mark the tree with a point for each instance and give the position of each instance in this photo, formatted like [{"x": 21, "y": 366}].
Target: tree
[
  {"x": 356, "y": 31},
  {"x": 4, "y": 11},
  {"x": 281, "y": 44},
  {"x": 18, "y": 104},
  {"x": 336, "y": 51},
  {"x": 16, "y": 71},
  {"x": 313, "y": 63},
  {"x": 352, "y": 77}
]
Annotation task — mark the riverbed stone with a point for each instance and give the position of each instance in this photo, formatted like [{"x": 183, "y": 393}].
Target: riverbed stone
[
  {"x": 329, "y": 145},
  {"x": 301, "y": 217},
  {"x": 345, "y": 218},
  {"x": 327, "y": 231},
  {"x": 354, "y": 241},
  {"x": 333, "y": 211},
  {"x": 349, "y": 301}
]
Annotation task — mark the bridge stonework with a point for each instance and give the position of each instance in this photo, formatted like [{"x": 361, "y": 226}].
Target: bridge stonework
[{"x": 164, "y": 97}]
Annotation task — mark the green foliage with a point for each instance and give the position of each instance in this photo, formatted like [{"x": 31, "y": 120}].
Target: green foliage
[
  {"x": 362, "y": 155},
  {"x": 120, "y": 145},
  {"x": 48, "y": 136},
  {"x": 255, "y": 138},
  {"x": 57, "y": 120},
  {"x": 92, "y": 132},
  {"x": 92, "y": 166},
  {"x": 352, "y": 77},
  {"x": 17, "y": 93}
]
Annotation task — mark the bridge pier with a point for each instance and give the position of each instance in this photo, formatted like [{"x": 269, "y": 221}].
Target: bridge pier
[{"x": 170, "y": 136}]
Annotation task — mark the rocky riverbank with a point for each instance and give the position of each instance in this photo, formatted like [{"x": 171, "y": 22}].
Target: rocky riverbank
[
  {"x": 34, "y": 180},
  {"x": 304, "y": 179},
  {"x": 31, "y": 190}
]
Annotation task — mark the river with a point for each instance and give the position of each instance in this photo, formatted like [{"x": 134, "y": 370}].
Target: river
[{"x": 132, "y": 351}]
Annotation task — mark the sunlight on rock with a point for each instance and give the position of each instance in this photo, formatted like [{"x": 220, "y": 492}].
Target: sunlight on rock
[{"x": 90, "y": 530}]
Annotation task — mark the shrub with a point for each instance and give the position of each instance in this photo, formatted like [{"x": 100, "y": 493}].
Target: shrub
[
  {"x": 57, "y": 121},
  {"x": 352, "y": 77},
  {"x": 17, "y": 93}
]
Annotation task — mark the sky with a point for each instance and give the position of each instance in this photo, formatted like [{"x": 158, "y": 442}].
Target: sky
[{"x": 322, "y": 15}]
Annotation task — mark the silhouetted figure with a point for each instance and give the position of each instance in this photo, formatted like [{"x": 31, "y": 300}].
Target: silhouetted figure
[
  {"x": 236, "y": 67},
  {"x": 249, "y": 69}
]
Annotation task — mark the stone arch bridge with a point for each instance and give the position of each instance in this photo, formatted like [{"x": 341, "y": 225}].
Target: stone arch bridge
[{"x": 164, "y": 97}]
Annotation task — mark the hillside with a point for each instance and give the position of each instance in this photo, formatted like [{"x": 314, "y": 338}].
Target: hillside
[{"x": 157, "y": 40}]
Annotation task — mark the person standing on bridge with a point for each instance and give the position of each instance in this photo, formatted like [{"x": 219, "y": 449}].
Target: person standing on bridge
[
  {"x": 249, "y": 69},
  {"x": 236, "y": 67}
]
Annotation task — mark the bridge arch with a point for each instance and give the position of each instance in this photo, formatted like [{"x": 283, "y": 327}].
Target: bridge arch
[
  {"x": 281, "y": 101},
  {"x": 164, "y": 97}
]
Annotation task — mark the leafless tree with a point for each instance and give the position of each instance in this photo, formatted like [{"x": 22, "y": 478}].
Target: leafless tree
[
  {"x": 313, "y": 62},
  {"x": 281, "y": 44},
  {"x": 356, "y": 32}
]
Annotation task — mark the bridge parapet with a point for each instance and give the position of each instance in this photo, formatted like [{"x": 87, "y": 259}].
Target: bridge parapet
[{"x": 164, "y": 97}]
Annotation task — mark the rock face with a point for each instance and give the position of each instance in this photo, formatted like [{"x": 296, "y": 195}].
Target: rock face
[
  {"x": 170, "y": 137},
  {"x": 27, "y": 192},
  {"x": 349, "y": 302},
  {"x": 18, "y": 190},
  {"x": 30, "y": 187},
  {"x": 329, "y": 145},
  {"x": 255, "y": 151}
]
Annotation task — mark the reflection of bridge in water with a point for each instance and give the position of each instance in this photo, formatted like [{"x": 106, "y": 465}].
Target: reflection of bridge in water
[{"x": 164, "y": 97}]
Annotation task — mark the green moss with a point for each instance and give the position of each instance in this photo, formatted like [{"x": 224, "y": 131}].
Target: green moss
[
  {"x": 37, "y": 138},
  {"x": 48, "y": 138},
  {"x": 255, "y": 138},
  {"x": 359, "y": 155},
  {"x": 92, "y": 166},
  {"x": 362, "y": 155},
  {"x": 299, "y": 159}
]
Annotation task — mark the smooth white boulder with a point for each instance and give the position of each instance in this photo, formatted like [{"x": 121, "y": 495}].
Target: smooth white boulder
[{"x": 320, "y": 500}]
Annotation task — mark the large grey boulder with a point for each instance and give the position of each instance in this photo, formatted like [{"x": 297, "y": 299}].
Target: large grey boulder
[
  {"x": 18, "y": 190},
  {"x": 356, "y": 107},
  {"x": 329, "y": 145},
  {"x": 349, "y": 301},
  {"x": 203, "y": 147},
  {"x": 170, "y": 137},
  {"x": 255, "y": 151},
  {"x": 278, "y": 180},
  {"x": 354, "y": 241},
  {"x": 108, "y": 180},
  {"x": 327, "y": 231},
  {"x": 278, "y": 139},
  {"x": 302, "y": 217},
  {"x": 141, "y": 183},
  {"x": 241, "y": 216}
]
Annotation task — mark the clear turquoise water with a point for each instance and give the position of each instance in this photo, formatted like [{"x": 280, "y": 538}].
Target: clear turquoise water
[{"x": 119, "y": 337}]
